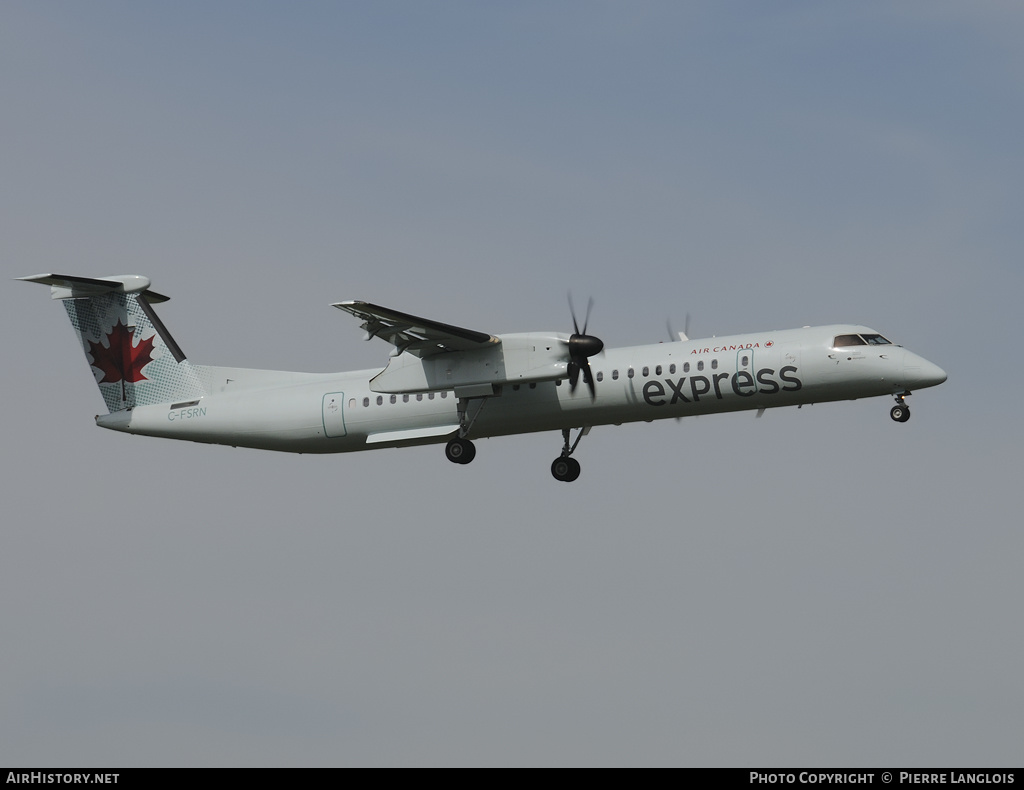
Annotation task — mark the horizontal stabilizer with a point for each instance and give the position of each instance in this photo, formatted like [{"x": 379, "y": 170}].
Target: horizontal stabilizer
[{"x": 69, "y": 286}]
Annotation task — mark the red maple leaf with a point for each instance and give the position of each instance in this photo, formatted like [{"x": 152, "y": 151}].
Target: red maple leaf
[{"x": 121, "y": 361}]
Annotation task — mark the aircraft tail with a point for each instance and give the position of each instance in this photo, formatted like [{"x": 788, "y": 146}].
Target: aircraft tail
[{"x": 133, "y": 357}]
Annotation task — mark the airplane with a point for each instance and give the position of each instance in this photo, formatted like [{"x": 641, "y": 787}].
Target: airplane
[{"x": 446, "y": 384}]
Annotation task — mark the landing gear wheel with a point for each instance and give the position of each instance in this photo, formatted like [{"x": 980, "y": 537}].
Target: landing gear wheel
[
  {"x": 565, "y": 469},
  {"x": 900, "y": 412},
  {"x": 460, "y": 451}
]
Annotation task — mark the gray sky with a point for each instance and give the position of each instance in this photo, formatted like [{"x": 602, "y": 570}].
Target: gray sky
[{"x": 818, "y": 587}]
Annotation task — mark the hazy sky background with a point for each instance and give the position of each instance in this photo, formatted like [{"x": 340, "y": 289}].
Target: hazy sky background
[{"x": 819, "y": 587}]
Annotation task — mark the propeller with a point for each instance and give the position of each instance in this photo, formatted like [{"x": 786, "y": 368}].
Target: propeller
[
  {"x": 581, "y": 347},
  {"x": 684, "y": 335}
]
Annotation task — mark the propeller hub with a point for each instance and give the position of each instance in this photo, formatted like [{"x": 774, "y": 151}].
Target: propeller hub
[{"x": 583, "y": 346}]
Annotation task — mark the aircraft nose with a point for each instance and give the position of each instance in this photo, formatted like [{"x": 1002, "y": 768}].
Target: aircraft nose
[{"x": 921, "y": 373}]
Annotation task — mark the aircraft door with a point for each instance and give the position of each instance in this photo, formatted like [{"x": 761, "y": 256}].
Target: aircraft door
[
  {"x": 334, "y": 415},
  {"x": 844, "y": 358}
]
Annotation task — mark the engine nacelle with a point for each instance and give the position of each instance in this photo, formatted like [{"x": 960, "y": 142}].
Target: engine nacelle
[{"x": 517, "y": 359}]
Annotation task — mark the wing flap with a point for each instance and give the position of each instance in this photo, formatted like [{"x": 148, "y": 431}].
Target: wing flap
[{"x": 421, "y": 337}]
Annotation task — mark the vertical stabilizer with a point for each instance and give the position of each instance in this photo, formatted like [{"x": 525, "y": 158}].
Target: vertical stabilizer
[{"x": 132, "y": 356}]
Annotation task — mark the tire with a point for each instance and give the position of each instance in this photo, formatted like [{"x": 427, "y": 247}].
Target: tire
[
  {"x": 460, "y": 451},
  {"x": 565, "y": 469}
]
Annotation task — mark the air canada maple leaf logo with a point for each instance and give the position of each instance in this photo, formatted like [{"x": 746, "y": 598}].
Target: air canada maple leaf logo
[{"x": 121, "y": 361}]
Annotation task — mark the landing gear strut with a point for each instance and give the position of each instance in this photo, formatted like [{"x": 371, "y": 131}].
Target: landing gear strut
[
  {"x": 565, "y": 468},
  {"x": 461, "y": 450},
  {"x": 900, "y": 412}
]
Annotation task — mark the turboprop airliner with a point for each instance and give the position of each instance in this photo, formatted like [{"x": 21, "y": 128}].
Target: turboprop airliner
[{"x": 448, "y": 385}]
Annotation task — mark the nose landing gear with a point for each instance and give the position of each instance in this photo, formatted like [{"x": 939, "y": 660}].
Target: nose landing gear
[{"x": 900, "y": 412}]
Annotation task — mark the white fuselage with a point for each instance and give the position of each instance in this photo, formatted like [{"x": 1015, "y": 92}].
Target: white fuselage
[{"x": 345, "y": 412}]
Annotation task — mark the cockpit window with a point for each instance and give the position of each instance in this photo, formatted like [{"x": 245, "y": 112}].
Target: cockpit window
[
  {"x": 876, "y": 340},
  {"x": 848, "y": 340}
]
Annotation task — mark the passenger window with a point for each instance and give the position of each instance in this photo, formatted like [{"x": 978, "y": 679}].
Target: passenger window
[
  {"x": 615, "y": 375},
  {"x": 744, "y": 361},
  {"x": 700, "y": 365},
  {"x": 366, "y": 401},
  {"x": 672, "y": 368},
  {"x": 630, "y": 372},
  {"x": 600, "y": 376},
  {"x": 380, "y": 400},
  {"x": 444, "y": 394},
  {"x": 419, "y": 396},
  {"x": 714, "y": 364},
  {"x": 647, "y": 372},
  {"x": 686, "y": 367},
  {"x": 394, "y": 398},
  {"x": 430, "y": 396},
  {"x": 842, "y": 341},
  {"x": 657, "y": 371}
]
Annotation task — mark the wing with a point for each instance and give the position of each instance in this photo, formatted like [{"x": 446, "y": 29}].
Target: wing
[{"x": 418, "y": 336}]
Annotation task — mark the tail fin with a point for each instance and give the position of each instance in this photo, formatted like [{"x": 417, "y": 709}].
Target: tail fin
[{"x": 133, "y": 357}]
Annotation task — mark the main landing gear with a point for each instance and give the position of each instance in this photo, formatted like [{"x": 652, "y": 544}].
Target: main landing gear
[
  {"x": 900, "y": 412},
  {"x": 460, "y": 451},
  {"x": 565, "y": 468}
]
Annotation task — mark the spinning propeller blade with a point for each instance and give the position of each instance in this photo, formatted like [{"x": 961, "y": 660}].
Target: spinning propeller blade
[{"x": 581, "y": 347}]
